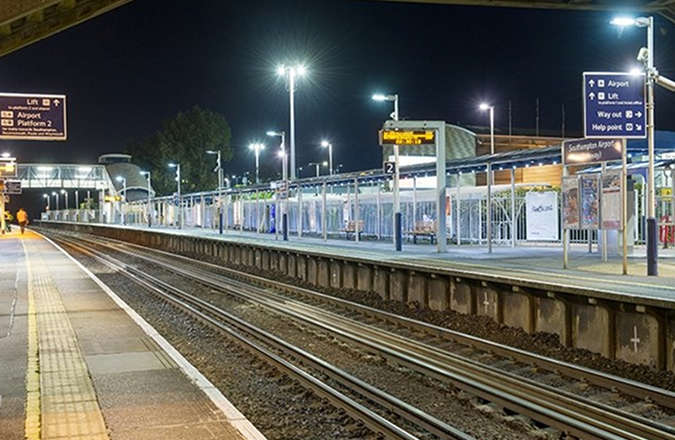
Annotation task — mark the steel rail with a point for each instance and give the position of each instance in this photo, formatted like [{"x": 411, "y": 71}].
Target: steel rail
[
  {"x": 546, "y": 404},
  {"x": 626, "y": 386},
  {"x": 197, "y": 307},
  {"x": 614, "y": 424}
]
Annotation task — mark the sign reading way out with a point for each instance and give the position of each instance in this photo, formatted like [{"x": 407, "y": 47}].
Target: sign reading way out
[{"x": 614, "y": 105}]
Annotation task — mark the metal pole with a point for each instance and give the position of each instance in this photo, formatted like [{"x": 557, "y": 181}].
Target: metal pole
[
  {"x": 459, "y": 212},
  {"x": 221, "y": 182},
  {"x": 257, "y": 164},
  {"x": 514, "y": 224},
  {"x": 624, "y": 209},
  {"x": 3, "y": 225},
  {"x": 291, "y": 91},
  {"x": 398, "y": 238},
  {"x": 258, "y": 223},
  {"x": 330, "y": 159},
  {"x": 180, "y": 210},
  {"x": 287, "y": 193},
  {"x": 603, "y": 169},
  {"x": 414, "y": 208},
  {"x": 356, "y": 210},
  {"x": 299, "y": 216},
  {"x": 324, "y": 212},
  {"x": 379, "y": 212},
  {"x": 489, "y": 179},
  {"x": 652, "y": 246}
]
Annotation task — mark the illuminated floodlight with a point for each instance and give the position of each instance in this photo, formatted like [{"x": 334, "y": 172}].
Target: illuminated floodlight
[
  {"x": 629, "y": 21},
  {"x": 485, "y": 106},
  {"x": 5, "y": 155},
  {"x": 623, "y": 21},
  {"x": 43, "y": 168},
  {"x": 84, "y": 169}
]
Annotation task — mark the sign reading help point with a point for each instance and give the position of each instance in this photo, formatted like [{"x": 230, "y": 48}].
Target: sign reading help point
[
  {"x": 33, "y": 117},
  {"x": 614, "y": 105}
]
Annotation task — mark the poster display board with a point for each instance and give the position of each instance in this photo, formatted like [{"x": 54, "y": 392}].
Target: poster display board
[
  {"x": 611, "y": 200},
  {"x": 570, "y": 196},
  {"x": 589, "y": 191},
  {"x": 542, "y": 215}
]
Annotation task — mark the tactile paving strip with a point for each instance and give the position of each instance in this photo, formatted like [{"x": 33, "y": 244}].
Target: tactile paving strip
[{"x": 68, "y": 405}]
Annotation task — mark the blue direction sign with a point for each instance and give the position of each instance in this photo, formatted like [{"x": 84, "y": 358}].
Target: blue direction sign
[
  {"x": 614, "y": 105},
  {"x": 32, "y": 117}
]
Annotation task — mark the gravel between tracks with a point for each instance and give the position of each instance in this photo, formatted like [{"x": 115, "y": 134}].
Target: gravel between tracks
[
  {"x": 284, "y": 411},
  {"x": 279, "y": 408},
  {"x": 546, "y": 344}
]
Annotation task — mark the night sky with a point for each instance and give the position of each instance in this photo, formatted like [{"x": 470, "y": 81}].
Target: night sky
[{"x": 130, "y": 69}]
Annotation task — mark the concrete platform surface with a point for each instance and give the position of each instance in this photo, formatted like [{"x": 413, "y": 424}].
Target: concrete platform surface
[
  {"x": 76, "y": 363},
  {"x": 536, "y": 263}
]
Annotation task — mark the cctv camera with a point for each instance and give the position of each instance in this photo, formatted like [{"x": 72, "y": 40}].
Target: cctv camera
[
  {"x": 666, "y": 83},
  {"x": 643, "y": 55}
]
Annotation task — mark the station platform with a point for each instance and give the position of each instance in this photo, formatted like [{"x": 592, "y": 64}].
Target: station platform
[
  {"x": 538, "y": 263},
  {"x": 76, "y": 363}
]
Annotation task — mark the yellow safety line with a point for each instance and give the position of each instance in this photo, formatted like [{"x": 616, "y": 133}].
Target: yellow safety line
[{"x": 33, "y": 411}]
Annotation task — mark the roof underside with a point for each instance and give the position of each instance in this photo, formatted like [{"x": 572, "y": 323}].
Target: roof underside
[
  {"x": 23, "y": 22},
  {"x": 665, "y": 8}
]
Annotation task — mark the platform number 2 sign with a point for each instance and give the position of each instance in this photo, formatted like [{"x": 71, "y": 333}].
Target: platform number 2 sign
[{"x": 389, "y": 167}]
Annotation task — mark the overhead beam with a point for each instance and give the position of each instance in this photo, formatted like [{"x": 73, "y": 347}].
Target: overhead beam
[
  {"x": 23, "y": 22},
  {"x": 665, "y": 8}
]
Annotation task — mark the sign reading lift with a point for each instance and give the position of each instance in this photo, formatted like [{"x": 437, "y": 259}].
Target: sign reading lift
[{"x": 33, "y": 117}]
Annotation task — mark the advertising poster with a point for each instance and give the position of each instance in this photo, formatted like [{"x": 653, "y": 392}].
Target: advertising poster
[
  {"x": 589, "y": 188},
  {"x": 611, "y": 200},
  {"x": 542, "y": 215},
  {"x": 570, "y": 198}
]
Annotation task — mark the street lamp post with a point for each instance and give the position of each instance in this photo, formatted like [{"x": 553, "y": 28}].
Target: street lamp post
[
  {"x": 256, "y": 149},
  {"x": 46, "y": 197},
  {"x": 284, "y": 177},
  {"x": 56, "y": 199},
  {"x": 219, "y": 168},
  {"x": 491, "y": 109},
  {"x": 292, "y": 73},
  {"x": 318, "y": 167},
  {"x": 330, "y": 155},
  {"x": 65, "y": 198},
  {"x": 397, "y": 202},
  {"x": 124, "y": 199},
  {"x": 180, "y": 208},
  {"x": 652, "y": 77},
  {"x": 148, "y": 180}
]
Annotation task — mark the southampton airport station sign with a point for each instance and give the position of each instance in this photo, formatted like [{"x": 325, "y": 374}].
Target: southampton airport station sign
[
  {"x": 32, "y": 117},
  {"x": 614, "y": 105}
]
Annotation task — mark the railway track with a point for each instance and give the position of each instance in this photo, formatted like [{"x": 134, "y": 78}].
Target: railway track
[{"x": 426, "y": 349}]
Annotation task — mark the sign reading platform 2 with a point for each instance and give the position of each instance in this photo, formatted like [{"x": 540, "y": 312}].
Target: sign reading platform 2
[{"x": 33, "y": 117}]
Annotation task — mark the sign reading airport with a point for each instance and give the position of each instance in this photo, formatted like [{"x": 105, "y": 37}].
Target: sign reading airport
[
  {"x": 32, "y": 117},
  {"x": 407, "y": 137},
  {"x": 589, "y": 151},
  {"x": 614, "y": 105}
]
